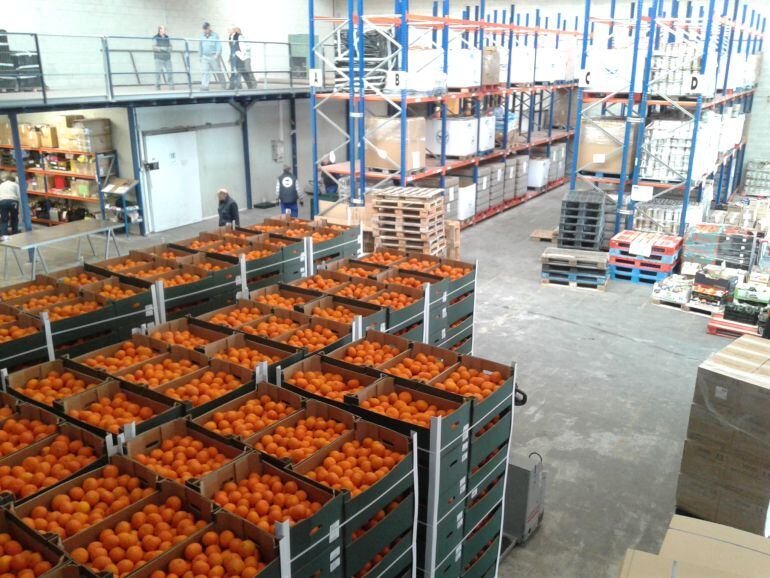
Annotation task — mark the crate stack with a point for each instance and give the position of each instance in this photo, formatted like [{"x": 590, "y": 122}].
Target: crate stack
[
  {"x": 757, "y": 179},
  {"x": 516, "y": 177},
  {"x": 581, "y": 224},
  {"x": 643, "y": 258},
  {"x": 409, "y": 219},
  {"x": 707, "y": 244},
  {"x": 497, "y": 184},
  {"x": 574, "y": 268}
]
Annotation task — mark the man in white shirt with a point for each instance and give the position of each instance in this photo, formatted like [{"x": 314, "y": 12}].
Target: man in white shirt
[{"x": 9, "y": 204}]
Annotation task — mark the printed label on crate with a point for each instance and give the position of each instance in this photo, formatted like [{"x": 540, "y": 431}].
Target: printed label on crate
[
  {"x": 466, "y": 430},
  {"x": 641, "y": 194},
  {"x": 599, "y": 158},
  {"x": 460, "y": 518},
  {"x": 316, "y": 77},
  {"x": 463, "y": 484},
  {"x": 720, "y": 392},
  {"x": 458, "y": 552},
  {"x": 334, "y": 529},
  {"x": 641, "y": 247},
  {"x": 465, "y": 451},
  {"x": 148, "y": 311},
  {"x": 335, "y": 564}
]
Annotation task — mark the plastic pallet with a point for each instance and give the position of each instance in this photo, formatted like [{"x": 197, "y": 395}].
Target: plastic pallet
[
  {"x": 642, "y": 264},
  {"x": 636, "y": 276},
  {"x": 583, "y": 219},
  {"x": 593, "y": 245},
  {"x": 661, "y": 244},
  {"x": 576, "y": 277},
  {"x": 667, "y": 259}
]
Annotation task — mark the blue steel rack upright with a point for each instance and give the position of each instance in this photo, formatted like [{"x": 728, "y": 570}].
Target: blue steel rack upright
[{"x": 712, "y": 36}]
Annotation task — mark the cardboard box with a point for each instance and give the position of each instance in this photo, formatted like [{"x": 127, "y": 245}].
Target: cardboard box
[
  {"x": 29, "y": 135},
  {"x": 5, "y": 131},
  {"x": 463, "y": 67},
  {"x": 537, "y": 176},
  {"x": 461, "y": 136},
  {"x": 94, "y": 125},
  {"x": 384, "y": 148},
  {"x": 48, "y": 137},
  {"x": 70, "y": 119},
  {"x": 600, "y": 153},
  {"x": 83, "y": 140},
  {"x": 487, "y": 133},
  {"x": 466, "y": 202},
  {"x": 638, "y": 564},
  {"x": 490, "y": 66}
]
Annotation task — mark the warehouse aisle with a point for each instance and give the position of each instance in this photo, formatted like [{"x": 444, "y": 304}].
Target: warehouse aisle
[{"x": 597, "y": 367}]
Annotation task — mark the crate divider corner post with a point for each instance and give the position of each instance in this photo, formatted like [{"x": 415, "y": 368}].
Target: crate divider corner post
[
  {"x": 48, "y": 335},
  {"x": 505, "y": 476},
  {"x": 426, "y": 314}
]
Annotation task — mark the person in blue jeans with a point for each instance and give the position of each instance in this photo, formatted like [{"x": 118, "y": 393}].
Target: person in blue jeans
[
  {"x": 208, "y": 51},
  {"x": 9, "y": 204},
  {"x": 286, "y": 192}
]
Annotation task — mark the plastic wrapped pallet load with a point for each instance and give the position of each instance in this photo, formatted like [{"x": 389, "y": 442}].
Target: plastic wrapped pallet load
[
  {"x": 461, "y": 136},
  {"x": 487, "y": 133},
  {"x": 383, "y": 150},
  {"x": 601, "y": 145},
  {"x": 466, "y": 202},
  {"x": 463, "y": 67},
  {"x": 425, "y": 74},
  {"x": 537, "y": 177}
]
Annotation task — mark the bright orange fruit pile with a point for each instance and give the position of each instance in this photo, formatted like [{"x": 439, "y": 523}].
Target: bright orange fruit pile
[
  {"x": 203, "y": 389},
  {"x": 357, "y": 291},
  {"x": 318, "y": 283},
  {"x": 271, "y": 327},
  {"x": 246, "y": 356},
  {"x": 466, "y": 381},
  {"x": 155, "y": 374},
  {"x": 110, "y": 414},
  {"x": 237, "y": 317},
  {"x": 17, "y": 434},
  {"x": 183, "y": 457},
  {"x": 369, "y": 353},
  {"x": 393, "y": 299},
  {"x": 24, "y": 291},
  {"x": 329, "y": 385},
  {"x": 253, "y": 416},
  {"x": 48, "y": 300},
  {"x": 420, "y": 367},
  {"x": 183, "y": 338},
  {"x": 128, "y": 354},
  {"x": 55, "y": 385},
  {"x": 405, "y": 407},
  {"x": 312, "y": 338},
  {"x": 301, "y": 440},
  {"x": 15, "y": 332}
]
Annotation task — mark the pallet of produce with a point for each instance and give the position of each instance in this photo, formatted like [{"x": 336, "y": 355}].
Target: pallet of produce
[
  {"x": 325, "y": 379},
  {"x": 249, "y": 351}
]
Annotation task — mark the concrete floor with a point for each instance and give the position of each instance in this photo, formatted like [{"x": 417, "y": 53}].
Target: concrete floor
[{"x": 609, "y": 376}]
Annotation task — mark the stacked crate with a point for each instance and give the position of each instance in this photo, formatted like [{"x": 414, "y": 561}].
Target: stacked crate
[
  {"x": 642, "y": 257},
  {"x": 497, "y": 186},
  {"x": 708, "y": 243},
  {"x": 483, "y": 188},
  {"x": 581, "y": 225},
  {"x": 574, "y": 268},
  {"x": 522, "y": 170},
  {"x": 409, "y": 219}
]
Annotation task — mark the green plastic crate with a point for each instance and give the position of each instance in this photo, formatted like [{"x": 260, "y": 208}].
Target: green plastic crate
[{"x": 478, "y": 538}]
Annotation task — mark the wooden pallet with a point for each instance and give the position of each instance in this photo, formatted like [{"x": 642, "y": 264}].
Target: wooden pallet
[
  {"x": 544, "y": 235},
  {"x": 574, "y": 285},
  {"x": 694, "y": 308},
  {"x": 574, "y": 258},
  {"x": 731, "y": 329}
]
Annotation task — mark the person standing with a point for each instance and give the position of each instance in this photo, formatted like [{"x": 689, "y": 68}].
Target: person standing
[
  {"x": 162, "y": 53},
  {"x": 286, "y": 192},
  {"x": 209, "y": 52},
  {"x": 240, "y": 60},
  {"x": 228, "y": 209},
  {"x": 330, "y": 184},
  {"x": 9, "y": 204}
]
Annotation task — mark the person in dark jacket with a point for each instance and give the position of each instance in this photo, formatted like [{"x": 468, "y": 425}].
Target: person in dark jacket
[
  {"x": 286, "y": 192},
  {"x": 162, "y": 52},
  {"x": 240, "y": 60},
  {"x": 228, "y": 209}
]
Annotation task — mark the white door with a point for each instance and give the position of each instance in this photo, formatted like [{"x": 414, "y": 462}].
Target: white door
[{"x": 172, "y": 172}]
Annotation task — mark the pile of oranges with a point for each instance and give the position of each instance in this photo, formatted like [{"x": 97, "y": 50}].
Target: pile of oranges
[
  {"x": 5, "y": 411},
  {"x": 218, "y": 554},
  {"x": 84, "y": 278},
  {"x": 17, "y": 434},
  {"x": 7, "y": 318},
  {"x": 379, "y": 557},
  {"x": 404, "y": 406},
  {"x": 15, "y": 560},
  {"x": 376, "y": 519},
  {"x": 24, "y": 291},
  {"x": 155, "y": 374},
  {"x": 203, "y": 389},
  {"x": 382, "y": 258},
  {"x": 420, "y": 367},
  {"x": 16, "y": 332},
  {"x": 312, "y": 338},
  {"x": 208, "y": 266},
  {"x": 407, "y": 281},
  {"x": 226, "y": 248},
  {"x": 86, "y": 504},
  {"x": 47, "y": 300},
  {"x": 355, "y": 271},
  {"x": 264, "y": 499},
  {"x": 454, "y": 273},
  {"x": 129, "y": 353},
  {"x": 416, "y": 264},
  {"x": 318, "y": 283},
  {"x": 329, "y": 385},
  {"x": 183, "y": 457},
  {"x": 299, "y": 232},
  {"x": 55, "y": 385},
  {"x": 393, "y": 299},
  {"x": 338, "y": 313},
  {"x": 257, "y": 254},
  {"x": 182, "y": 338},
  {"x": 301, "y": 440},
  {"x": 116, "y": 292},
  {"x": 199, "y": 244},
  {"x": 59, "y": 460},
  {"x": 271, "y": 327},
  {"x": 132, "y": 543},
  {"x": 369, "y": 353},
  {"x": 278, "y": 300},
  {"x": 127, "y": 264},
  {"x": 264, "y": 228},
  {"x": 357, "y": 291},
  {"x": 169, "y": 254},
  {"x": 253, "y": 416},
  {"x": 181, "y": 279},
  {"x": 472, "y": 382},
  {"x": 237, "y": 317},
  {"x": 147, "y": 273},
  {"x": 357, "y": 466},
  {"x": 110, "y": 414},
  {"x": 246, "y": 356},
  {"x": 67, "y": 311}
]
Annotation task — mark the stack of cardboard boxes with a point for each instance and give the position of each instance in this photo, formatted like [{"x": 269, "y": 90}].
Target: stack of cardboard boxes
[
  {"x": 497, "y": 183},
  {"x": 725, "y": 472},
  {"x": 75, "y": 133},
  {"x": 517, "y": 179},
  {"x": 451, "y": 192}
]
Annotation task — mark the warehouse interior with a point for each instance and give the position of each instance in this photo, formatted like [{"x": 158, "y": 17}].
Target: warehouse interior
[{"x": 520, "y": 263}]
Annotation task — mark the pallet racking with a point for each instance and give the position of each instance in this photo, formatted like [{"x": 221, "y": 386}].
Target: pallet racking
[
  {"x": 718, "y": 44},
  {"x": 362, "y": 90}
]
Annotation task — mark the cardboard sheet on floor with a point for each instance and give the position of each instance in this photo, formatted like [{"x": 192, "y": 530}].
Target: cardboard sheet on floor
[{"x": 638, "y": 564}]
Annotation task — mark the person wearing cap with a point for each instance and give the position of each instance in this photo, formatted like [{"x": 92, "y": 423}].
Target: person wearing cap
[
  {"x": 286, "y": 192},
  {"x": 209, "y": 52},
  {"x": 228, "y": 209},
  {"x": 9, "y": 204}
]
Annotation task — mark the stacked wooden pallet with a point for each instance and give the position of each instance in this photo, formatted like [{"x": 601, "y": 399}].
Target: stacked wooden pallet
[
  {"x": 574, "y": 268},
  {"x": 409, "y": 219}
]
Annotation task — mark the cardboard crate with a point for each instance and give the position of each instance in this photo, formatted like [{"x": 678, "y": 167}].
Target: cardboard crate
[
  {"x": 297, "y": 319},
  {"x": 18, "y": 379},
  {"x": 286, "y": 354},
  {"x": 456, "y": 287},
  {"x": 17, "y": 351},
  {"x": 32, "y": 541},
  {"x": 61, "y": 274},
  {"x": 457, "y": 330},
  {"x": 102, "y": 371},
  {"x": 372, "y": 270},
  {"x": 464, "y": 344},
  {"x": 488, "y": 437},
  {"x": 174, "y": 353},
  {"x": 486, "y": 564},
  {"x": 114, "y": 266},
  {"x": 460, "y": 306},
  {"x": 438, "y": 285},
  {"x": 482, "y": 499},
  {"x": 24, "y": 303},
  {"x": 189, "y": 324},
  {"x": 343, "y": 291},
  {"x": 41, "y": 285},
  {"x": 448, "y": 528},
  {"x": 198, "y": 244},
  {"x": 372, "y": 336},
  {"x": 29, "y": 412},
  {"x": 448, "y": 358},
  {"x": 485, "y": 531},
  {"x": 373, "y": 316},
  {"x": 378, "y": 256},
  {"x": 406, "y": 315},
  {"x": 140, "y": 303},
  {"x": 102, "y": 319},
  {"x": 204, "y": 319},
  {"x": 168, "y": 251},
  {"x": 395, "y": 564},
  {"x": 341, "y": 330},
  {"x": 288, "y": 291},
  {"x": 306, "y": 282}
]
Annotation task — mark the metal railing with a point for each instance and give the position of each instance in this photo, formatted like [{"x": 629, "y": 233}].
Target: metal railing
[{"x": 47, "y": 68}]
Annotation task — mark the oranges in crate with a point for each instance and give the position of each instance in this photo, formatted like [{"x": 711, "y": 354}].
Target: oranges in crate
[
  {"x": 116, "y": 292},
  {"x": 472, "y": 382},
  {"x": 84, "y": 278},
  {"x": 5, "y": 411},
  {"x": 301, "y": 440},
  {"x": 55, "y": 385},
  {"x": 170, "y": 255},
  {"x": 84, "y": 505},
  {"x": 16, "y": 434},
  {"x": 48, "y": 300},
  {"x": 376, "y": 519},
  {"x": 208, "y": 266},
  {"x": 382, "y": 258},
  {"x": 369, "y": 353},
  {"x": 59, "y": 460},
  {"x": 319, "y": 283},
  {"x": 60, "y": 312},
  {"x": 357, "y": 466},
  {"x": 283, "y": 301},
  {"x": 199, "y": 244},
  {"x": 312, "y": 338},
  {"x": 155, "y": 374},
  {"x": 417, "y": 264},
  {"x": 6, "y": 318},
  {"x": 254, "y": 415},
  {"x": 203, "y": 389},
  {"x": 317, "y": 236},
  {"x": 130, "y": 544},
  {"x": 265, "y": 228},
  {"x": 357, "y": 291},
  {"x": 217, "y": 554},
  {"x": 326, "y": 384},
  {"x": 181, "y": 279},
  {"x": 127, "y": 264},
  {"x": 271, "y": 327},
  {"x": 264, "y": 499},
  {"x": 246, "y": 356},
  {"x": 110, "y": 414},
  {"x": 257, "y": 254},
  {"x": 16, "y": 560},
  {"x": 420, "y": 367},
  {"x": 338, "y": 313},
  {"x": 16, "y": 332},
  {"x": 183, "y": 457},
  {"x": 454, "y": 273},
  {"x": 236, "y": 317},
  {"x": 159, "y": 270},
  {"x": 226, "y": 248},
  {"x": 183, "y": 338},
  {"x": 355, "y": 271},
  {"x": 129, "y": 353},
  {"x": 407, "y": 281},
  {"x": 24, "y": 291},
  {"x": 379, "y": 557},
  {"x": 393, "y": 299},
  {"x": 404, "y": 406}
]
